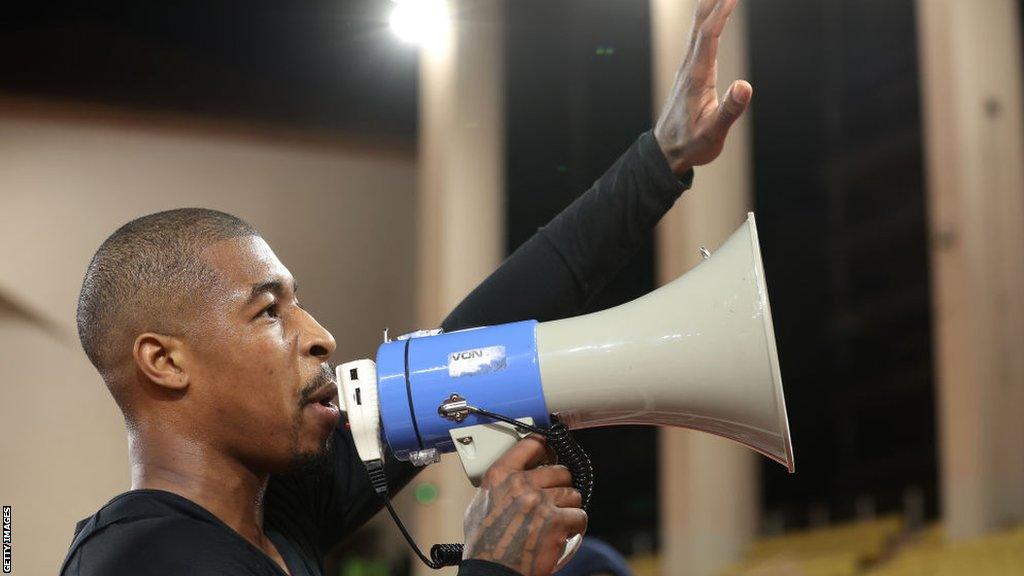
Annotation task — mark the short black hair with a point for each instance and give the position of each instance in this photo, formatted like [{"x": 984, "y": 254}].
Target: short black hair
[{"x": 148, "y": 276}]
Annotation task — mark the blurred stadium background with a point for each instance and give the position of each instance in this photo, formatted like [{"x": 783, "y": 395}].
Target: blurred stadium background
[{"x": 882, "y": 154}]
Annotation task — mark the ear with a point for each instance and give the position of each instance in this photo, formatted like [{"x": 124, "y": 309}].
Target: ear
[{"x": 161, "y": 359}]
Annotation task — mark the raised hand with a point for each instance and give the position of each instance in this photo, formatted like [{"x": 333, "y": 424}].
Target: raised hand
[
  {"x": 523, "y": 512},
  {"x": 693, "y": 124}
]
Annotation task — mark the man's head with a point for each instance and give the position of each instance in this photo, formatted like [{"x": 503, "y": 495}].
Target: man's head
[{"x": 194, "y": 325}]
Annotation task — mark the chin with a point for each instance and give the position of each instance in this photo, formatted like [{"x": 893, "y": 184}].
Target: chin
[{"x": 316, "y": 461}]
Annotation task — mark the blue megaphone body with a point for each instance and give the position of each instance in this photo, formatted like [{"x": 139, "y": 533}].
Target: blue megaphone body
[{"x": 697, "y": 353}]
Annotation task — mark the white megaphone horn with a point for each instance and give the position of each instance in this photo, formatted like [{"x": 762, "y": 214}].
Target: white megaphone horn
[{"x": 697, "y": 353}]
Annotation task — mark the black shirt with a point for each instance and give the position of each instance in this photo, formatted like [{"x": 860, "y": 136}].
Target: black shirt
[{"x": 552, "y": 275}]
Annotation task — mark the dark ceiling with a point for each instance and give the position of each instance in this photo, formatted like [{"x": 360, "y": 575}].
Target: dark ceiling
[{"x": 319, "y": 64}]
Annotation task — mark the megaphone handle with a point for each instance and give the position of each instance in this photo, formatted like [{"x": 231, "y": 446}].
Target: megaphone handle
[{"x": 568, "y": 452}]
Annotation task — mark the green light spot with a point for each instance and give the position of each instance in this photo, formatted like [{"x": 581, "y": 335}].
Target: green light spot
[
  {"x": 563, "y": 168},
  {"x": 426, "y": 493}
]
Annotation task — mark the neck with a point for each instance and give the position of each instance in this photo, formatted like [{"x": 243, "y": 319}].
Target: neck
[{"x": 199, "y": 472}]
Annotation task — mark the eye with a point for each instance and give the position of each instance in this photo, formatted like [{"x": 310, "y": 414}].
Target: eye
[{"x": 269, "y": 311}]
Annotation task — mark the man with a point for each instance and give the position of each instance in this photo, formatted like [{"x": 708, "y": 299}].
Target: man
[{"x": 241, "y": 463}]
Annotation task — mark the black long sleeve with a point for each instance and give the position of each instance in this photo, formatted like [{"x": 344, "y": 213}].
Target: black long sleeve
[{"x": 556, "y": 272}]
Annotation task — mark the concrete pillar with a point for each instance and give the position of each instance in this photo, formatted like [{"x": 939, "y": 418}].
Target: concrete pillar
[
  {"x": 461, "y": 189},
  {"x": 970, "y": 57},
  {"x": 708, "y": 487}
]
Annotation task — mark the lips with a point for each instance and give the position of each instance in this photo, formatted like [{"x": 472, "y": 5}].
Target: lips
[
  {"x": 324, "y": 395},
  {"x": 321, "y": 405}
]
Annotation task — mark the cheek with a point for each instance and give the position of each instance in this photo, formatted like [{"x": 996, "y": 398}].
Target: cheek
[
  {"x": 257, "y": 408},
  {"x": 265, "y": 377},
  {"x": 251, "y": 374}
]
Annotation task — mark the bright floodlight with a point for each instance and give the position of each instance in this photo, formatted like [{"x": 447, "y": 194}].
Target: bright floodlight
[{"x": 423, "y": 22}]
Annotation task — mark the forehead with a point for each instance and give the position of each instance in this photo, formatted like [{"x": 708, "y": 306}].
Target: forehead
[{"x": 244, "y": 261}]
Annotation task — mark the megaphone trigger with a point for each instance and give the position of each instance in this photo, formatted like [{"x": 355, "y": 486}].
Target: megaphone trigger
[{"x": 480, "y": 445}]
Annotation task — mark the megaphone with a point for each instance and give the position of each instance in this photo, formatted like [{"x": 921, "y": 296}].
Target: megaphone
[{"x": 697, "y": 353}]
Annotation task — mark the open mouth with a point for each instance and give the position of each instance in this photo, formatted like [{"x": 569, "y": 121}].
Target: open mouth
[
  {"x": 321, "y": 402},
  {"x": 324, "y": 397},
  {"x": 325, "y": 410}
]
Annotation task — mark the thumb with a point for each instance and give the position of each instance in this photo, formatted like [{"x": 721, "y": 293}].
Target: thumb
[{"x": 736, "y": 100}]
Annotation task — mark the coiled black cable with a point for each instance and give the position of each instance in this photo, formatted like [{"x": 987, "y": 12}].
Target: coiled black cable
[
  {"x": 445, "y": 555},
  {"x": 569, "y": 453}
]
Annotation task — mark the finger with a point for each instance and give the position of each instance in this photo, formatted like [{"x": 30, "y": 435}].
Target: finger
[
  {"x": 736, "y": 100},
  {"x": 707, "y": 38},
  {"x": 573, "y": 520},
  {"x": 719, "y": 17},
  {"x": 565, "y": 497},
  {"x": 526, "y": 454},
  {"x": 704, "y": 8},
  {"x": 549, "y": 476}
]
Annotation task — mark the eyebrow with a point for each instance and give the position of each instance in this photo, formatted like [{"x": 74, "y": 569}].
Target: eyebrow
[{"x": 275, "y": 287}]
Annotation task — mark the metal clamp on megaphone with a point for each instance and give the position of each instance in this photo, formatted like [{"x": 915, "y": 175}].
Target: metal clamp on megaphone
[{"x": 698, "y": 353}]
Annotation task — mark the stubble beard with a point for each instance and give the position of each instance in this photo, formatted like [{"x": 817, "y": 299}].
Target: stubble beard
[{"x": 318, "y": 462}]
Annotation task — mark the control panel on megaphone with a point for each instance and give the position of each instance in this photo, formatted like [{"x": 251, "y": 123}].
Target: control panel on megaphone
[{"x": 697, "y": 353}]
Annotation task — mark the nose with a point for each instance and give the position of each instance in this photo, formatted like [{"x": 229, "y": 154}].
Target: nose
[{"x": 319, "y": 342}]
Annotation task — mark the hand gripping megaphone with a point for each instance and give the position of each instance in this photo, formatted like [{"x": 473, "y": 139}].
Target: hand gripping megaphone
[{"x": 697, "y": 353}]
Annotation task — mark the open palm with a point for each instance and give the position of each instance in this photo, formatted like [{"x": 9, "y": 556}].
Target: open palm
[{"x": 693, "y": 123}]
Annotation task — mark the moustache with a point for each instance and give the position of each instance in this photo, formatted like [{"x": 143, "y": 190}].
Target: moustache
[{"x": 323, "y": 377}]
